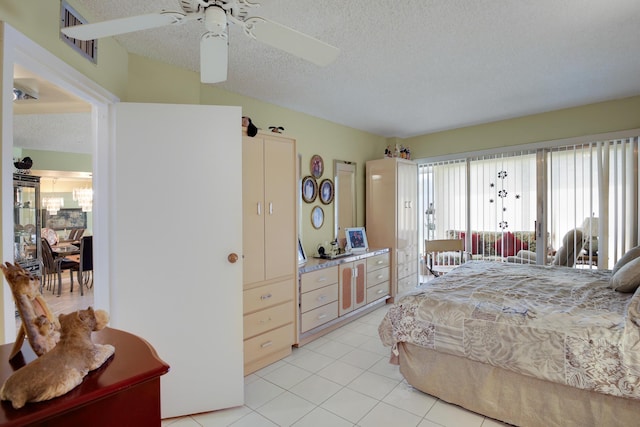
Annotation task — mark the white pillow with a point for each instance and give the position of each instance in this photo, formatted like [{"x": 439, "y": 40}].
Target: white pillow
[
  {"x": 627, "y": 278},
  {"x": 630, "y": 255}
]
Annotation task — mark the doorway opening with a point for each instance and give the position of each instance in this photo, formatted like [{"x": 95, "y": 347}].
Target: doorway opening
[{"x": 21, "y": 53}]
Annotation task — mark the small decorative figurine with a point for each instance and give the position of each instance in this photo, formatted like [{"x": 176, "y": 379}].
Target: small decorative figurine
[
  {"x": 276, "y": 129},
  {"x": 24, "y": 165},
  {"x": 252, "y": 130}
]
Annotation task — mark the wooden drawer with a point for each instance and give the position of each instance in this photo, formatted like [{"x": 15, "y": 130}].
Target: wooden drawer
[
  {"x": 270, "y": 342},
  {"x": 318, "y": 279},
  {"x": 406, "y": 255},
  {"x": 377, "y": 262},
  {"x": 270, "y": 318},
  {"x": 317, "y": 317},
  {"x": 407, "y": 268},
  {"x": 378, "y": 291},
  {"x": 407, "y": 283},
  {"x": 318, "y": 297},
  {"x": 377, "y": 276},
  {"x": 267, "y": 296}
]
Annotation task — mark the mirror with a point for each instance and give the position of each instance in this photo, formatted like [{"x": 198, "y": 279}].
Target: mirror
[{"x": 345, "y": 197}]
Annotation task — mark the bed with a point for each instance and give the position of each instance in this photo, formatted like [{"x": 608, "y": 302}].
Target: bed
[{"x": 525, "y": 344}]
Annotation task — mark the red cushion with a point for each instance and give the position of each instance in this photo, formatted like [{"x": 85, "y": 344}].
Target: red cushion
[
  {"x": 476, "y": 243},
  {"x": 509, "y": 245}
]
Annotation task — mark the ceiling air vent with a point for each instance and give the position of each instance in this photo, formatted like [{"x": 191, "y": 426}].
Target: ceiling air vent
[{"x": 70, "y": 17}]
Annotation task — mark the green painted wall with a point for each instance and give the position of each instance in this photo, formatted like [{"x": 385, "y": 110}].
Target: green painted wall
[
  {"x": 589, "y": 119},
  {"x": 59, "y": 161}
]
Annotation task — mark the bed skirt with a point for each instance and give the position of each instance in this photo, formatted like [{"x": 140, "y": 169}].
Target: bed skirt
[{"x": 510, "y": 397}]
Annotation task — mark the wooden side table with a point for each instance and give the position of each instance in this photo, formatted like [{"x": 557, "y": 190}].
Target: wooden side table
[{"x": 123, "y": 391}]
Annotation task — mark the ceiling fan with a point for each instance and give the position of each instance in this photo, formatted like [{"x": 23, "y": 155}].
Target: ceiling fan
[{"x": 214, "y": 43}]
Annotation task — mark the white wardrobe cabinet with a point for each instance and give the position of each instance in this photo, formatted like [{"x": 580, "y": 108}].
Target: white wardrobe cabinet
[
  {"x": 269, "y": 231},
  {"x": 392, "y": 217}
]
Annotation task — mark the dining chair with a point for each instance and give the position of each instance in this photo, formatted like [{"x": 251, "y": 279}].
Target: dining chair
[
  {"x": 85, "y": 270},
  {"x": 60, "y": 264},
  {"x": 49, "y": 266},
  {"x": 75, "y": 234}
]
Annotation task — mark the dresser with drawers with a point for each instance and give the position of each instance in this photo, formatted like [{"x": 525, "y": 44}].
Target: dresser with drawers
[{"x": 333, "y": 292}]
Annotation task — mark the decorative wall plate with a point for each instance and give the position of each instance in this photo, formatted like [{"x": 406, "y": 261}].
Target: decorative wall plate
[
  {"x": 326, "y": 191},
  {"x": 317, "y": 217},
  {"x": 309, "y": 189},
  {"x": 317, "y": 166}
]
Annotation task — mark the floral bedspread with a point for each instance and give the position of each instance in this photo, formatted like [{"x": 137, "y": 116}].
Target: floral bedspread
[{"x": 556, "y": 323}]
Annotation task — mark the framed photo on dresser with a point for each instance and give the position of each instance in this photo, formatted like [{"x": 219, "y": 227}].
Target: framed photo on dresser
[{"x": 356, "y": 239}]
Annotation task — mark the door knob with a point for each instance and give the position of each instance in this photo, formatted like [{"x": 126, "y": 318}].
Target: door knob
[{"x": 232, "y": 258}]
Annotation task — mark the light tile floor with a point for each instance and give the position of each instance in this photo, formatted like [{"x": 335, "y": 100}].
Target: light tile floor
[{"x": 341, "y": 379}]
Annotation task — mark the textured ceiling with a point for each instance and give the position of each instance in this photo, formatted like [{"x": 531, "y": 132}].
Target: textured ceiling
[{"x": 410, "y": 67}]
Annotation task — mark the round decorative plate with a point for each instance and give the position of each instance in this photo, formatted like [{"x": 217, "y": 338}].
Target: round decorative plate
[
  {"x": 326, "y": 191},
  {"x": 309, "y": 189},
  {"x": 317, "y": 166},
  {"x": 317, "y": 217}
]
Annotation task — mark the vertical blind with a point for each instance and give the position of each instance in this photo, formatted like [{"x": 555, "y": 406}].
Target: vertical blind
[{"x": 589, "y": 187}]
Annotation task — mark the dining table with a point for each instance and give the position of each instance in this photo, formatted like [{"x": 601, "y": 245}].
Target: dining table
[{"x": 65, "y": 249}]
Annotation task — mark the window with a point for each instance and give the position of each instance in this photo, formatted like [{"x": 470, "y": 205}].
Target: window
[{"x": 543, "y": 191}]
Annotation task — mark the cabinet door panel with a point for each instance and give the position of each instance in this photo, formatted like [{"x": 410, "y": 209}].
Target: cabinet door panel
[
  {"x": 346, "y": 288},
  {"x": 253, "y": 209},
  {"x": 407, "y": 206},
  {"x": 280, "y": 220},
  {"x": 360, "y": 289}
]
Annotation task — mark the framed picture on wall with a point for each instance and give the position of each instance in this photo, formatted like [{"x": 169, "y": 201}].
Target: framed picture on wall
[
  {"x": 326, "y": 191},
  {"x": 356, "y": 239},
  {"x": 317, "y": 166},
  {"x": 64, "y": 219},
  {"x": 317, "y": 217},
  {"x": 309, "y": 189}
]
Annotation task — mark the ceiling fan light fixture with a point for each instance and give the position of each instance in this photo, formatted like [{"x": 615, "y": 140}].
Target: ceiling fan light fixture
[
  {"x": 214, "y": 44},
  {"x": 215, "y": 20}
]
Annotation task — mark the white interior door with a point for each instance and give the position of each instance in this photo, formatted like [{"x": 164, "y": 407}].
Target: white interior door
[{"x": 176, "y": 212}]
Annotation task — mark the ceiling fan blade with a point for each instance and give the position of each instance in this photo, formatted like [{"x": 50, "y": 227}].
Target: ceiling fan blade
[
  {"x": 292, "y": 41},
  {"x": 214, "y": 55},
  {"x": 122, "y": 25}
]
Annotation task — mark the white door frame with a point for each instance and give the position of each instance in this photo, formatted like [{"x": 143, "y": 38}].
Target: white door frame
[{"x": 21, "y": 50}]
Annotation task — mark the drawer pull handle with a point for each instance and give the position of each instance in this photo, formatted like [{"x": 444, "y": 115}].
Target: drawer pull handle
[
  {"x": 266, "y": 296},
  {"x": 380, "y": 276},
  {"x": 267, "y": 344},
  {"x": 321, "y": 298},
  {"x": 380, "y": 262},
  {"x": 380, "y": 291},
  {"x": 321, "y": 279},
  {"x": 322, "y": 316},
  {"x": 267, "y": 320}
]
